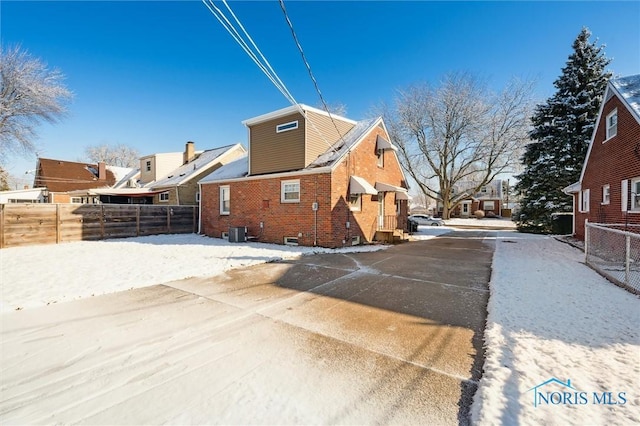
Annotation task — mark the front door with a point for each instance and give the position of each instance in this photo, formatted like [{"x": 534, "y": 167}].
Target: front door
[
  {"x": 465, "y": 209},
  {"x": 380, "y": 210}
]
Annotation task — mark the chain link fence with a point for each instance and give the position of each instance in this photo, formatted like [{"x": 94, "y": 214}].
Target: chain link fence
[{"x": 614, "y": 251}]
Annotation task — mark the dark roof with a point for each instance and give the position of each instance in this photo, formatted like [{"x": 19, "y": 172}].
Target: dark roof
[{"x": 63, "y": 176}]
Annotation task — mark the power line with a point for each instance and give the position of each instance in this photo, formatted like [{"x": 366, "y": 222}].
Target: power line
[
  {"x": 306, "y": 63},
  {"x": 264, "y": 65}
]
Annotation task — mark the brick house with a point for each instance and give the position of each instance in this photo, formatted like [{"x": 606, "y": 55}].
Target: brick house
[
  {"x": 488, "y": 199},
  {"x": 609, "y": 186},
  {"x": 68, "y": 181},
  {"x": 309, "y": 179}
]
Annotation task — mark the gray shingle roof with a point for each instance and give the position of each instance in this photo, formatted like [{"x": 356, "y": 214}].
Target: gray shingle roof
[
  {"x": 192, "y": 168},
  {"x": 629, "y": 88}
]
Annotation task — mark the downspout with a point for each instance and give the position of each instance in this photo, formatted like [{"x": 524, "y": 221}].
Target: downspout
[{"x": 200, "y": 209}]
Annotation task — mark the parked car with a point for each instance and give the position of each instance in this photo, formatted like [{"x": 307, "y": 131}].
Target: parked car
[{"x": 425, "y": 219}]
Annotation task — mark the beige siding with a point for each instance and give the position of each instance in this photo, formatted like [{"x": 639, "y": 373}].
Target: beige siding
[
  {"x": 161, "y": 166},
  {"x": 272, "y": 152},
  {"x": 316, "y": 144}
]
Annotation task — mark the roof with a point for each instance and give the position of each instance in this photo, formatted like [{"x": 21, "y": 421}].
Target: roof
[
  {"x": 288, "y": 111},
  {"x": 629, "y": 90},
  {"x": 123, "y": 175},
  {"x": 240, "y": 168},
  {"x": 63, "y": 176},
  {"x": 235, "y": 169},
  {"x": 203, "y": 162}
]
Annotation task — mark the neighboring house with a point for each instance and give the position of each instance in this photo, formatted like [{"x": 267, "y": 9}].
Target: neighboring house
[
  {"x": 609, "y": 186},
  {"x": 33, "y": 195},
  {"x": 68, "y": 181},
  {"x": 488, "y": 199},
  {"x": 309, "y": 179},
  {"x": 180, "y": 187}
]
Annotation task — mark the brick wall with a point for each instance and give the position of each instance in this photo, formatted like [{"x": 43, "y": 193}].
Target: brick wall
[
  {"x": 256, "y": 200},
  {"x": 610, "y": 163}
]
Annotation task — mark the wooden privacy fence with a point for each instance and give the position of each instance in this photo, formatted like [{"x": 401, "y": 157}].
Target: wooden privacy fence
[{"x": 26, "y": 224}]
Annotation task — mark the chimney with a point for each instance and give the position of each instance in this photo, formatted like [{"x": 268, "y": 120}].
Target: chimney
[
  {"x": 102, "y": 171},
  {"x": 189, "y": 152}
]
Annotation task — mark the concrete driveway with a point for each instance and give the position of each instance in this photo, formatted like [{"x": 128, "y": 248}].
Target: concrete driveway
[{"x": 389, "y": 337}]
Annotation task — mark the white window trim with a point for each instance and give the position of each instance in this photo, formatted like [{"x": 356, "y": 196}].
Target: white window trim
[
  {"x": 282, "y": 192},
  {"x": 162, "y": 195},
  {"x": 584, "y": 200},
  {"x": 225, "y": 235},
  {"x": 606, "y": 194},
  {"x": 608, "y": 129},
  {"x": 624, "y": 192},
  {"x": 223, "y": 189},
  {"x": 487, "y": 203},
  {"x": 355, "y": 240},
  {"x": 285, "y": 127},
  {"x": 291, "y": 241},
  {"x": 357, "y": 207},
  {"x": 635, "y": 198},
  {"x": 148, "y": 165}
]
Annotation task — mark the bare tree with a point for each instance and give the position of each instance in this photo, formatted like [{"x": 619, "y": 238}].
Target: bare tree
[
  {"x": 113, "y": 155},
  {"x": 29, "y": 94},
  {"x": 459, "y": 133}
]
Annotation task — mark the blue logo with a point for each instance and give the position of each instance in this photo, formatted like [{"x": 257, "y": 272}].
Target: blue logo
[{"x": 556, "y": 392}]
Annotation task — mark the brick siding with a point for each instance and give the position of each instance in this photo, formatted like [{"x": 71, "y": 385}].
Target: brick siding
[
  {"x": 255, "y": 200},
  {"x": 609, "y": 163}
]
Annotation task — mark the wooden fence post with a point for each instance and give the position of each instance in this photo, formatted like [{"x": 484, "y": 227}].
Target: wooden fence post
[
  {"x": 57, "y": 223},
  {"x": 168, "y": 220},
  {"x": 102, "y": 221},
  {"x": 1, "y": 225},
  {"x": 138, "y": 220}
]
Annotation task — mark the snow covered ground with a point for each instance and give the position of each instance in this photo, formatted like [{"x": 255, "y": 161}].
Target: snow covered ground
[
  {"x": 550, "y": 316},
  {"x": 44, "y": 274}
]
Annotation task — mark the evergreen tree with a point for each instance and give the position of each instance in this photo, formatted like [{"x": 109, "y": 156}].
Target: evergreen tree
[{"x": 562, "y": 129}]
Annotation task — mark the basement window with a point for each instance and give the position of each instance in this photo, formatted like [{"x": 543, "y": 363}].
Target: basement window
[
  {"x": 292, "y": 125},
  {"x": 355, "y": 241},
  {"x": 291, "y": 241}
]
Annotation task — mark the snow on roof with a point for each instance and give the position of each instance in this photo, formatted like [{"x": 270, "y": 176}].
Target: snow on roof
[
  {"x": 629, "y": 88},
  {"x": 122, "y": 174},
  {"x": 340, "y": 148},
  {"x": 236, "y": 169},
  {"x": 187, "y": 171},
  {"x": 240, "y": 168}
]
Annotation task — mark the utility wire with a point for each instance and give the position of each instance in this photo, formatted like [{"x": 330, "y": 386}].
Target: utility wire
[
  {"x": 265, "y": 67},
  {"x": 306, "y": 63}
]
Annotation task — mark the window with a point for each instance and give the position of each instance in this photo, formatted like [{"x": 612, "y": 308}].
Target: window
[
  {"x": 76, "y": 200},
  {"x": 635, "y": 194},
  {"x": 291, "y": 241},
  {"x": 164, "y": 196},
  {"x": 287, "y": 126},
  {"x": 225, "y": 199},
  {"x": 380, "y": 155},
  {"x": 355, "y": 202},
  {"x": 355, "y": 241},
  {"x": 489, "y": 205},
  {"x": 612, "y": 124},
  {"x": 290, "y": 191},
  {"x": 484, "y": 190},
  {"x": 606, "y": 194},
  {"x": 148, "y": 165},
  {"x": 584, "y": 201}
]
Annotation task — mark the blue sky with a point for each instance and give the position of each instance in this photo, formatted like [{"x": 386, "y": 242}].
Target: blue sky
[{"x": 153, "y": 75}]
